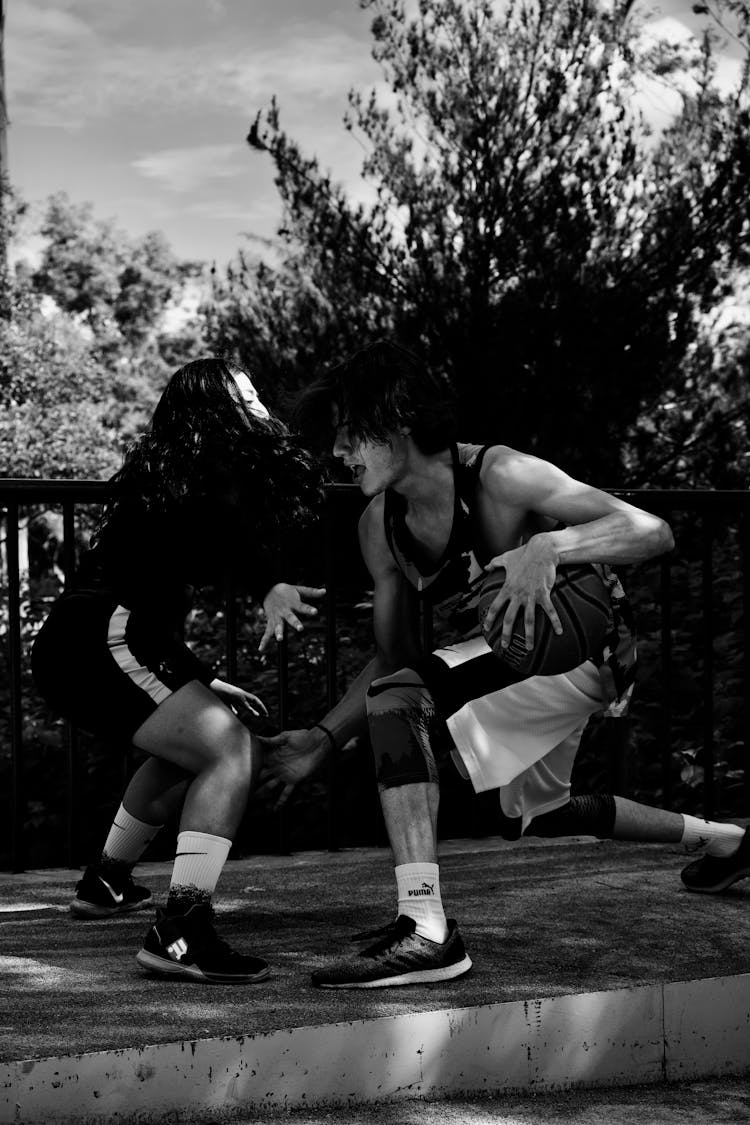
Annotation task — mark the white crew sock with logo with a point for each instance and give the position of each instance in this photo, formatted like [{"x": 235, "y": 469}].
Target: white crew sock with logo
[
  {"x": 709, "y": 837},
  {"x": 198, "y": 864},
  {"x": 128, "y": 839},
  {"x": 419, "y": 898}
]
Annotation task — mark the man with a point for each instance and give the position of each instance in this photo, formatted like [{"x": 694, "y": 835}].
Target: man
[{"x": 440, "y": 515}]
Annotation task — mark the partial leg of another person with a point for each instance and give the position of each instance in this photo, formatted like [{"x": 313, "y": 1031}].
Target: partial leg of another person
[
  {"x": 538, "y": 803},
  {"x": 420, "y": 945},
  {"x": 723, "y": 848},
  {"x": 100, "y": 665},
  {"x": 84, "y": 667},
  {"x": 193, "y": 730},
  {"x": 153, "y": 796}
]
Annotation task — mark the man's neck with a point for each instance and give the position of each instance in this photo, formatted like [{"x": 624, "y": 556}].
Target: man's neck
[{"x": 427, "y": 482}]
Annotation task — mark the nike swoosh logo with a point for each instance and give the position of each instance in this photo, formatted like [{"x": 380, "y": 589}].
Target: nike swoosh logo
[{"x": 117, "y": 897}]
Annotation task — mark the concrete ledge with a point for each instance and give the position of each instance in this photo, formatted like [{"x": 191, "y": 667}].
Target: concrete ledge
[{"x": 650, "y": 1034}]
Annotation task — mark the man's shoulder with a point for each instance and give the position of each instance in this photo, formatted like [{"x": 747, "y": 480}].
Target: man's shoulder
[
  {"x": 373, "y": 542},
  {"x": 507, "y": 474},
  {"x": 495, "y": 458},
  {"x": 371, "y": 522},
  {"x": 373, "y": 510}
]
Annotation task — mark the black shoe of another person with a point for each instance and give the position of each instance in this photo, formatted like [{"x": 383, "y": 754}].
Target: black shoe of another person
[
  {"x": 105, "y": 891},
  {"x": 400, "y": 957},
  {"x": 712, "y": 873},
  {"x": 187, "y": 945}
]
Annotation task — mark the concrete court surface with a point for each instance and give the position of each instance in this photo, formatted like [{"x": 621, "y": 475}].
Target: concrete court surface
[{"x": 539, "y": 919}]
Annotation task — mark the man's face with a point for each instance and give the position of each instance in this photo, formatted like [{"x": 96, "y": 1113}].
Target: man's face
[{"x": 375, "y": 466}]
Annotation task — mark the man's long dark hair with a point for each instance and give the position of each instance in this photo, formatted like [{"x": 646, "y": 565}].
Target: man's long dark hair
[{"x": 377, "y": 390}]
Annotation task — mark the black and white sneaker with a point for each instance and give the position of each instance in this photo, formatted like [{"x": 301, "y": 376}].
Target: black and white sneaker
[
  {"x": 105, "y": 891},
  {"x": 375, "y": 934},
  {"x": 187, "y": 945},
  {"x": 399, "y": 957},
  {"x": 712, "y": 874}
]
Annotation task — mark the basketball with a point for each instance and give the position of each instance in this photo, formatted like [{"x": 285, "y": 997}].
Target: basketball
[{"x": 582, "y": 602}]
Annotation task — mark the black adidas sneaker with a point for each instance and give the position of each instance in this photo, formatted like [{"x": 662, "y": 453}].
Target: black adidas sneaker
[
  {"x": 187, "y": 945},
  {"x": 400, "y": 956},
  {"x": 107, "y": 890},
  {"x": 712, "y": 874}
]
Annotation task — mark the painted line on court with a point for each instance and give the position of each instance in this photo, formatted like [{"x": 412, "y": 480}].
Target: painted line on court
[{"x": 650, "y": 1034}]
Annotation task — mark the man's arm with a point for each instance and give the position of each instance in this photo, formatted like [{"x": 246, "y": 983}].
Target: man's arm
[
  {"x": 600, "y": 528},
  {"x": 294, "y": 755}
]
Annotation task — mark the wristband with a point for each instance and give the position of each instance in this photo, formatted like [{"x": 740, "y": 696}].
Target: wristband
[{"x": 328, "y": 735}]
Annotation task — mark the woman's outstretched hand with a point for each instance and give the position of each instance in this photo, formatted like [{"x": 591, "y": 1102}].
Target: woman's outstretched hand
[{"x": 282, "y": 604}]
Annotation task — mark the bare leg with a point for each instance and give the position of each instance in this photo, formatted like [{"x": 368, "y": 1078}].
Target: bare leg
[
  {"x": 410, "y": 814},
  {"x": 194, "y": 730},
  {"x": 156, "y": 791},
  {"x": 641, "y": 822}
]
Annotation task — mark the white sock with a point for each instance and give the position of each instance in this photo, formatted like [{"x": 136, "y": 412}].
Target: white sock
[
  {"x": 709, "y": 837},
  {"x": 198, "y": 864},
  {"x": 128, "y": 838},
  {"x": 419, "y": 898}
]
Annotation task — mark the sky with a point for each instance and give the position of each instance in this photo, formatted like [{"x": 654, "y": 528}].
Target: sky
[{"x": 141, "y": 107}]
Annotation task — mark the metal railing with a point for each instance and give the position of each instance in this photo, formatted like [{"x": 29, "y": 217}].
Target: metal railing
[{"x": 713, "y": 511}]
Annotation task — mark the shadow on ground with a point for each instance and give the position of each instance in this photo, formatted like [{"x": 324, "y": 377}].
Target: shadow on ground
[{"x": 538, "y": 918}]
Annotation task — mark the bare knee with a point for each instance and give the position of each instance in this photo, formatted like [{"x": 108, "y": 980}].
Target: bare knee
[
  {"x": 232, "y": 752},
  {"x": 238, "y": 752}
]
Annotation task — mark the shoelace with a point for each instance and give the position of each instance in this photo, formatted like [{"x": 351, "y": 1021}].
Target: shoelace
[
  {"x": 376, "y": 934},
  {"x": 401, "y": 928}
]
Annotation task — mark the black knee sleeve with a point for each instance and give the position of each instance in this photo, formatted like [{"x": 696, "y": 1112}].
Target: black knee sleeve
[
  {"x": 403, "y": 725},
  {"x": 590, "y": 815}
]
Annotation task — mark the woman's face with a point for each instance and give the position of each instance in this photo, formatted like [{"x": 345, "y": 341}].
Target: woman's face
[{"x": 249, "y": 395}]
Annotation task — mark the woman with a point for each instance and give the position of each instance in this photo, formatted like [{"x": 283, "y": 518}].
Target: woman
[{"x": 207, "y": 495}]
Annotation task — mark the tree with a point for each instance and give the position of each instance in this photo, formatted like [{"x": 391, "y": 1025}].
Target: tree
[
  {"x": 119, "y": 287},
  {"x": 85, "y": 351},
  {"x": 56, "y": 416},
  {"x": 529, "y": 235}
]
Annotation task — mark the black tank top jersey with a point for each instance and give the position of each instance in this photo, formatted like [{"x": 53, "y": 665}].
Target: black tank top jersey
[
  {"x": 453, "y": 585},
  {"x": 453, "y": 582}
]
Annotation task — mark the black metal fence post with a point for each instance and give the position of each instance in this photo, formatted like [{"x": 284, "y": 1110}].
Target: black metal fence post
[
  {"x": 331, "y": 666},
  {"x": 18, "y": 788},
  {"x": 665, "y": 593},
  {"x": 707, "y": 596},
  {"x": 283, "y": 710},
  {"x": 745, "y": 547},
  {"x": 72, "y": 738}
]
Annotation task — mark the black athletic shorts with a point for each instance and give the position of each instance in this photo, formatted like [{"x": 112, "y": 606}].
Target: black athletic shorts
[{"x": 107, "y": 668}]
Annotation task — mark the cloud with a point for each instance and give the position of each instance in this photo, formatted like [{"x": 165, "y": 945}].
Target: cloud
[
  {"x": 186, "y": 170},
  {"x": 66, "y": 71}
]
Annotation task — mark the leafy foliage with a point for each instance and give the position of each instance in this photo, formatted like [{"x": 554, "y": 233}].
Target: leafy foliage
[
  {"x": 85, "y": 352},
  {"x": 529, "y": 234}
]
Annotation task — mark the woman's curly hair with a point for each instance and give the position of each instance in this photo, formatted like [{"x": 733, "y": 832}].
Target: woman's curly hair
[{"x": 206, "y": 457}]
